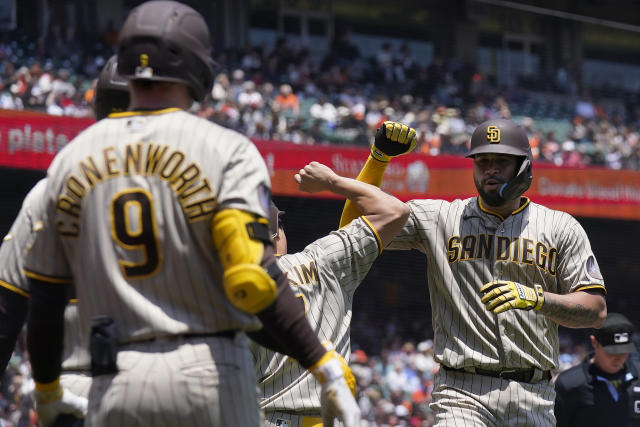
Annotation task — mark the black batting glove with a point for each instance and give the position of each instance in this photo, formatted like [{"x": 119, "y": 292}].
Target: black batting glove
[{"x": 393, "y": 139}]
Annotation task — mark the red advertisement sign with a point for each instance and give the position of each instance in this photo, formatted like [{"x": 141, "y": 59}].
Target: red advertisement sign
[{"x": 30, "y": 140}]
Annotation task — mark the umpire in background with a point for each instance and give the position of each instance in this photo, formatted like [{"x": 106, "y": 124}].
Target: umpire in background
[{"x": 604, "y": 389}]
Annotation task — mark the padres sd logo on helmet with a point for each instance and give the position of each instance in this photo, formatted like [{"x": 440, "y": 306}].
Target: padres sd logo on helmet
[{"x": 493, "y": 134}]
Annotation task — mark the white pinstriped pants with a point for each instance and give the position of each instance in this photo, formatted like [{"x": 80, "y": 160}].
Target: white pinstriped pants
[
  {"x": 78, "y": 382},
  {"x": 464, "y": 399},
  {"x": 204, "y": 381}
]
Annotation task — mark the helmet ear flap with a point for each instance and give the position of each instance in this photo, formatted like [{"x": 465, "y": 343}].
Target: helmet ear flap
[
  {"x": 520, "y": 182},
  {"x": 112, "y": 91}
]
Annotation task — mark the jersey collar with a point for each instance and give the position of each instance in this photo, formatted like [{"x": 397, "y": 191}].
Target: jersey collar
[
  {"x": 143, "y": 112},
  {"x": 523, "y": 205}
]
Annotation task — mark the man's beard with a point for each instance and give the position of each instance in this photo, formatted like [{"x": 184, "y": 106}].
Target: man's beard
[{"x": 492, "y": 197}]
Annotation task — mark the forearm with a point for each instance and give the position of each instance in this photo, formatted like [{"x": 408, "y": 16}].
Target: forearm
[
  {"x": 575, "y": 310},
  {"x": 368, "y": 199},
  {"x": 372, "y": 173},
  {"x": 13, "y": 311},
  {"x": 45, "y": 330}
]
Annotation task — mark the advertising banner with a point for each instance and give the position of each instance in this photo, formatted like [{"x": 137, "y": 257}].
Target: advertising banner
[{"x": 30, "y": 140}]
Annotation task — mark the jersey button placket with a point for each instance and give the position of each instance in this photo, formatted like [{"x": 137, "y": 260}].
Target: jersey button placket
[{"x": 498, "y": 267}]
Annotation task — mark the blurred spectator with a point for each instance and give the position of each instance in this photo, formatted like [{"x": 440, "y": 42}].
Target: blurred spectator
[
  {"x": 110, "y": 34},
  {"x": 249, "y": 97},
  {"x": 287, "y": 100},
  {"x": 324, "y": 111},
  {"x": 221, "y": 88},
  {"x": 585, "y": 108},
  {"x": 384, "y": 62}
]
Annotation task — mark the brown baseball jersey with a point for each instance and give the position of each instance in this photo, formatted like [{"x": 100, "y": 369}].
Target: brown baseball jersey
[
  {"x": 324, "y": 276},
  {"x": 467, "y": 246},
  {"x": 129, "y": 204}
]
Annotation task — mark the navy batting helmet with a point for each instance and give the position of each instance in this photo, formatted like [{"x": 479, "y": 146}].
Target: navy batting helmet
[
  {"x": 167, "y": 41},
  {"x": 112, "y": 91},
  {"x": 502, "y": 136}
]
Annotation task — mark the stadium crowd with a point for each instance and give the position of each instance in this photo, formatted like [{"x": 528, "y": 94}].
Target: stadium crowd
[{"x": 284, "y": 94}]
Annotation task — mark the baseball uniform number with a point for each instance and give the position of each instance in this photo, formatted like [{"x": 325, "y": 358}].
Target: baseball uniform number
[{"x": 133, "y": 227}]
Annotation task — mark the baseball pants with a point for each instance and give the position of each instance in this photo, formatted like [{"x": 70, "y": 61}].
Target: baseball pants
[
  {"x": 283, "y": 419},
  {"x": 203, "y": 381},
  {"x": 78, "y": 382},
  {"x": 465, "y": 399}
]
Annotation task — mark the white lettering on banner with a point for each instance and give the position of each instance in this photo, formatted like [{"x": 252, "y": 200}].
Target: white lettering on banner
[
  {"x": 346, "y": 166},
  {"x": 589, "y": 190},
  {"x": 269, "y": 160},
  {"x": 413, "y": 177},
  {"x": 548, "y": 188},
  {"x": 417, "y": 177},
  {"x": 36, "y": 141},
  {"x": 351, "y": 167}
]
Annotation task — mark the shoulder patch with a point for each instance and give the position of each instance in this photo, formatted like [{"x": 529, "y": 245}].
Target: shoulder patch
[{"x": 593, "y": 270}]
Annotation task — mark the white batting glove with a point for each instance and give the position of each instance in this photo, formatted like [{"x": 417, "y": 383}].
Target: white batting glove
[
  {"x": 52, "y": 400},
  {"x": 336, "y": 400}
]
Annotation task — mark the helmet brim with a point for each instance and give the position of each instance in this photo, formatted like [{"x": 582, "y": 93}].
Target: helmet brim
[{"x": 497, "y": 149}]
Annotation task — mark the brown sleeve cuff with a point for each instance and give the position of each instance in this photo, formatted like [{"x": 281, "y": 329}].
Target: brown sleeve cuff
[
  {"x": 45, "y": 329},
  {"x": 13, "y": 312},
  {"x": 285, "y": 327}
]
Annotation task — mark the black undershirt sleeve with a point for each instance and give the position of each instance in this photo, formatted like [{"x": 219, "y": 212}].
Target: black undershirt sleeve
[
  {"x": 285, "y": 328},
  {"x": 45, "y": 329},
  {"x": 13, "y": 312}
]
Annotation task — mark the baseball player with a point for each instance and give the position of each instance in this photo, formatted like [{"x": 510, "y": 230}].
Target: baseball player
[
  {"x": 111, "y": 95},
  {"x": 324, "y": 277},
  {"x": 503, "y": 273},
  {"x": 158, "y": 218}
]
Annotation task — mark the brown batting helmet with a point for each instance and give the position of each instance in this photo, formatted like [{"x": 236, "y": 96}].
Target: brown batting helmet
[
  {"x": 501, "y": 136},
  {"x": 167, "y": 41}
]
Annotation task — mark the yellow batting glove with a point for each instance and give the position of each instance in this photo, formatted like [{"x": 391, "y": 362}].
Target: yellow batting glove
[
  {"x": 348, "y": 375},
  {"x": 393, "y": 139},
  {"x": 336, "y": 399},
  {"x": 501, "y": 295},
  {"x": 346, "y": 370}
]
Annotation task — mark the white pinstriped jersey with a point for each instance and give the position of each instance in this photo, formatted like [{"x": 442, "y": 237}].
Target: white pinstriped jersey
[
  {"x": 324, "y": 276},
  {"x": 129, "y": 206},
  {"x": 12, "y": 253},
  {"x": 466, "y": 246}
]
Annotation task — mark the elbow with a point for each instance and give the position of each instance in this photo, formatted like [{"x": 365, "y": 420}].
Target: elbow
[
  {"x": 601, "y": 315},
  {"x": 401, "y": 213}
]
